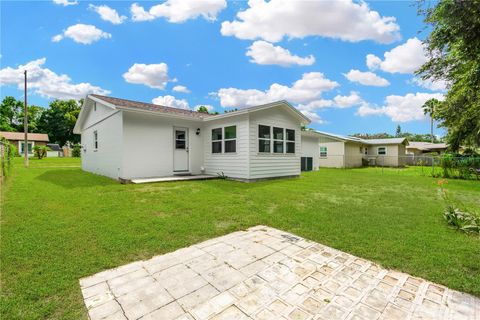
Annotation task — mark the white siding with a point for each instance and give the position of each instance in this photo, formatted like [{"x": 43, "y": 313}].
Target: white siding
[
  {"x": 148, "y": 142},
  {"x": 353, "y": 154},
  {"x": 311, "y": 148},
  {"x": 391, "y": 159},
  {"x": 233, "y": 165},
  {"x": 93, "y": 116},
  {"x": 273, "y": 165},
  {"x": 106, "y": 160},
  {"x": 335, "y": 152}
]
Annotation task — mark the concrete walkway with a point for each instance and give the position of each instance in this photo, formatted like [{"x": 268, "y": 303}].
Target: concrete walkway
[
  {"x": 174, "y": 178},
  {"x": 264, "y": 273}
]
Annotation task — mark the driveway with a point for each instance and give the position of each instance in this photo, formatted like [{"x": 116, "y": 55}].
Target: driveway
[{"x": 265, "y": 273}]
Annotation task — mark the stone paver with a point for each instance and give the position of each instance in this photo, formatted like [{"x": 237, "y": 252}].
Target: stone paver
[{"x": 265, "y": 273}]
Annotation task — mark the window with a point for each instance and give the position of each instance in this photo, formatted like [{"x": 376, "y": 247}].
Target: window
[
  {"x": 217, "y": 140},
  {"x": 323, "y": 152},
  {"x": 22, "y": 147},
  {"x": 180, "y": 139},
  {"x": 278, "y": 140},
  {"x": 290, "y": 140},
  {"x": 361, "y": 150},
  {"x": 264, "y": 138},
  {"x": 230, "y": 139},
  {"x": 381, "y": 151},
  {"x": 95, "y": 140}
]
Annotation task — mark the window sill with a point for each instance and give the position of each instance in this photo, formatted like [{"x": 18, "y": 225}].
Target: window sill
[{"x": 269, "y": 154}]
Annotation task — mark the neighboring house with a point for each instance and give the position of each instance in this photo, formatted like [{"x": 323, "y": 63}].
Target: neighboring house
[
  {"x": 54, "y": 151},
  {"x": 336, "y": 151},
  {"x": 18, "y": 140},
  {"x": 419, "y": 148},
  {"x": 126, "y": 139}
]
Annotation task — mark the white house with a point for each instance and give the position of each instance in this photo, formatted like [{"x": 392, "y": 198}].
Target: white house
[
  {"x": 336, "y": 151},
  {"x": 125, "y": 139}
]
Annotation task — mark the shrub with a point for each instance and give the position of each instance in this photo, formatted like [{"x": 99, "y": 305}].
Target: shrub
[
  {"x": 462, "y": 220},
  {"x": 40, "y": 151},
  {"x": 6, "y": 160},
  {"x": 76, "y": 151}
]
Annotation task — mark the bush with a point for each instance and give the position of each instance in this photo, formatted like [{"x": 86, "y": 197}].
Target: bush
[
  {"x": 6, "y": 160},
  {"x": 457, "y": 166},
  {"x": 462, "y": 220},
  {"x": 76, "y": 151},
  {"x": 40, "y": 151}
]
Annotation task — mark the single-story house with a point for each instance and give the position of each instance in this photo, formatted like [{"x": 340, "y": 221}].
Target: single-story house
[
  {"x": 336, "y": 151},
  {"x": 18, "y": 140},
  {"x": 125, "y": 139},
  {"x": 54, "y": 151},
  {"x": 419, "y": 148}
]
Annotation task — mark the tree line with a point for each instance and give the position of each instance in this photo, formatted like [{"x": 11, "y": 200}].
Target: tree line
[{"x": 57, "y": 120}]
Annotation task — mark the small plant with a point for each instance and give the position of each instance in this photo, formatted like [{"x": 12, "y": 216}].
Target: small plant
[
  {"x": 222, "y": 175},
  {"x": 40, "y": 151},
  {"x": 76, "y": 151},
  {"x": 462, "y": 220},
  {"x": 6, "y": 157},
  {"x": 459, "y": 219}
]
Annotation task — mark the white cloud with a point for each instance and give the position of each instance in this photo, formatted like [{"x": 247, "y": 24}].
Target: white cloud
[
  {"x": 401, "y": 108},
  {"x": 305, "y": 90},
  {"x": 346, "y": 20},
  {"x": 171, "y": 101},
  {"x": 438, "y": 85},
  {"x": 405, "y": 58},
  {"x": 348, "y": 101},
  {"x": 182, "y": 89},
  {"x": 178, "y": 11},
  {"x": 82, "y": 33},
  {"x": 209, "y": 107},
  {"x": 263, "y": 52},
  {"x": 313, "y": 116},
  {"x": 47, "y": 83},
  {"x": 65, "y": 2},
  {"x": 366, "y": 78},
  {"x": 139, "y": 14},
  {"x": 108, "y": 14},
  {"x": 152, "y": 75}
]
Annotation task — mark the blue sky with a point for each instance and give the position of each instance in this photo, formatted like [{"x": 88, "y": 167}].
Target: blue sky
[{"x": 226, "y": 54}]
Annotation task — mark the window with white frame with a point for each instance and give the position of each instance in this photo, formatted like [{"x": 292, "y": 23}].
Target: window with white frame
[
  {"x": 323, "y": 152},
  {"x": 217, "y": 140},
  {"x": 22, "y": 147},
  {"x": 95, "y": 140},
  {"x": 224, "y": 139},
  {"x": 382, "y": 151},
  {"x": 290, "y": 135},
  {"x": 230, "y": 142},
  {"x": 264, "y": 139},
  {"x": 275, "y": 140},
  {"x": 278, "y": 140}
]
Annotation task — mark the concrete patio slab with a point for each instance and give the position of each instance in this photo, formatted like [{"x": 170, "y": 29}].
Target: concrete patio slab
[
  {"x": 174, "y": 178},
  {"x": 265, "y": 273}
]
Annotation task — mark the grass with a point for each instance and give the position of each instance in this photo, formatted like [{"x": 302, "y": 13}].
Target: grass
[{"x": 60, "y": 224}]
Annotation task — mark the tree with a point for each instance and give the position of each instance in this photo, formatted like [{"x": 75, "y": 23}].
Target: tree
[
  {"x": 453, "y": 48},
  {"x": 398, "y": 132},
  {"x": 203, "y": 109},
  {"x": 59, "y": 119},
  {"x": 430, "y": 107},
  {"x": 9, "y": 110}
]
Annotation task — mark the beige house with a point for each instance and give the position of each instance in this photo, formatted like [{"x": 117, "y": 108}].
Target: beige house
[
  {"x": 337, "y": 151},
  {"x": 17, "y": 139},
  {"x": 419, "y": 148}
]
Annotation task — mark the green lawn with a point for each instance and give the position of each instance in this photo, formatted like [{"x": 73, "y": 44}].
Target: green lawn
[{"x": 60, "y": 224}]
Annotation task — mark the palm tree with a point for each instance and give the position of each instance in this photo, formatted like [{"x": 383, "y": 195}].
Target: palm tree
[{"x": 429, "y": 107}]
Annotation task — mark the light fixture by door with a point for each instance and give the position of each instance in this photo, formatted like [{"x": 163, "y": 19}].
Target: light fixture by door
[{"x": 198, "y": 131}]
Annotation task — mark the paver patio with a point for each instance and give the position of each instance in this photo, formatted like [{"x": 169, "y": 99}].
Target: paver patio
[{"x": 265, "y": 273}]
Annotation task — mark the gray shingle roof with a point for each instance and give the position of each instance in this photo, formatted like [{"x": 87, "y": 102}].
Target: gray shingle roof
[{"x": 130, "y": 104}]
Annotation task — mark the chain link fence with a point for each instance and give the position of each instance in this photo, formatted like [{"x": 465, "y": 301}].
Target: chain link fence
[{"x": 436, "y": 166}]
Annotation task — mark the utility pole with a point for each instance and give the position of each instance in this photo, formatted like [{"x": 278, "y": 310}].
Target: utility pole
[{"x": 25, "y": 122}]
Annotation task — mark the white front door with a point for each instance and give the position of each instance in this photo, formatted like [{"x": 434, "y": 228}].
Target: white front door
[{"x": 180, "y": 149}]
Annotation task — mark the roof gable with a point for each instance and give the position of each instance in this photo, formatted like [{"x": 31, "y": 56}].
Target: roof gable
[{"x": 21, "y": 136}]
